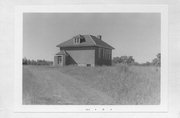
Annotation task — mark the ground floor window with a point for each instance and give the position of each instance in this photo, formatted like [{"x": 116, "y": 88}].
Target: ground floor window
[
  {"x": 88, "y": 65},
  {"x": 59, "y": 59}
]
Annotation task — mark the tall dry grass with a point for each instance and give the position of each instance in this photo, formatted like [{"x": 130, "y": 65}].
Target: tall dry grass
[{"x": 126, "y": 85}]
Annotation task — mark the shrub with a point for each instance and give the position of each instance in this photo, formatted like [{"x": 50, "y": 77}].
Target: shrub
[
  {"x": 157, "y": 60},
  {"x": 123, "y": 60},
  {"x": 34, "y": 62}
]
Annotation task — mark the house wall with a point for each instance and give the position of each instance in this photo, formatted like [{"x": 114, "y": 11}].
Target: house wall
[
  {"x": 100, "y": 59},
  {"x": 87, "y": 55},
  {"x": 80, "y": 55},
  {"x": 55, "y": 60}
]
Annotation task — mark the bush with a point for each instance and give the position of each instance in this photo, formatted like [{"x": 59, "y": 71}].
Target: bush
[
  {"x": 130, "y": 61},
  {"x": 24, "y": 61},
  {"x": 34, "y": 62},
  {"x": 157, "y": 60},
  {"x": 123, "y": 60}
]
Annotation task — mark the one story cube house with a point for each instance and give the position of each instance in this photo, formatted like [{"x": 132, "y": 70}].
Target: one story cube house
[{"x": 84, "y": 50}]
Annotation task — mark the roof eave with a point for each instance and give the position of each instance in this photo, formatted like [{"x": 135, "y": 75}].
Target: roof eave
[
  {"x": 76, "y": 46},
  {"x": 112, "y": 48},
  {"x": 58, "y": 45},
  {"x": 105, "y": 47}
]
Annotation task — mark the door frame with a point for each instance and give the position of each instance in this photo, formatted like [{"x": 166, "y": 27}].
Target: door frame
[{"x": 60, "y": 60}]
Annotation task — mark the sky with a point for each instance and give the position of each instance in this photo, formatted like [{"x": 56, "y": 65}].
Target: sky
[{"x": 131, "y": 34}]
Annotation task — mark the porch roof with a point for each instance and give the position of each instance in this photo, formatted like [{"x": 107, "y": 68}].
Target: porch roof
[{"x": 62, "y": 52}]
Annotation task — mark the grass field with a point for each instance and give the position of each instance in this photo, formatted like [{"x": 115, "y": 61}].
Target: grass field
[{"x": 72, "y": 85}]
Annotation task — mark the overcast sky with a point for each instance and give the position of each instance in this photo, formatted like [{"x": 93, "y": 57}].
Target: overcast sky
[{"x": 131, "y": 34}]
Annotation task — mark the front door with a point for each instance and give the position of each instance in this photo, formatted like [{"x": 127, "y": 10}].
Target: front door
[{"x": 60, "y": 60}]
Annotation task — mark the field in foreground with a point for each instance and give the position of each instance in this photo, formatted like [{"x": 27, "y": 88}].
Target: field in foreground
[{"x": 72, "y": 85}]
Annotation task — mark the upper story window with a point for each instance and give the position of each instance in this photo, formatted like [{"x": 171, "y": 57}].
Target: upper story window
[
  {"x": 78, "y": 40},
  {"x": 82, "y": 39}
]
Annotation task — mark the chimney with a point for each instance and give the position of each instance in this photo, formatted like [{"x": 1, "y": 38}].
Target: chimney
[{"x": 99, "y": 37}]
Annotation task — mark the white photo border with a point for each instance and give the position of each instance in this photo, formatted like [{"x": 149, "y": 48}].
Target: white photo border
[{"x": 19, "y": 10}]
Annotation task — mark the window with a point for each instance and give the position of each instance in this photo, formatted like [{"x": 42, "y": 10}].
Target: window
[
  {"x": 59, "y": 59},
  {"x": 99, "y": 53},
  {"x": 79, "y": 39},
  {"x": 76, "y": 40},
  {"x": 108, "y": 54},
  {"x": 88, "y": 65},
  {"x": 82, "y": 40},
  {"x": 103, "y": 53}
]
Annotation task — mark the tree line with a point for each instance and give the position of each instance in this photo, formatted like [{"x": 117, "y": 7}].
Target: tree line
[
  {"x": 26, "y": 61},
  {"x": 131, "y": 61},
  {"x": 116, "y": 60}
]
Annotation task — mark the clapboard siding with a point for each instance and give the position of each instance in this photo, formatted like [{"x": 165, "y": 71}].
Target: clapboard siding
[
  {"x": 85, "y": 50},
  {"x": 80, "y": 55}
]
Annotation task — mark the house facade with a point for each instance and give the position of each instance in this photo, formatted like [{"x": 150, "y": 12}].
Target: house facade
[{"x": 84, "y": 50}]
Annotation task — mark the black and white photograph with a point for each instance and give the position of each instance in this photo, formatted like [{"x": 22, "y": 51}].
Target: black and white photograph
[{"x": 91, "y": 58}]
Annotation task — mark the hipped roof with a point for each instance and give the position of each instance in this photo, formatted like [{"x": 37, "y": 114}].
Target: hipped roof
[{"x": 90, "y": 40}]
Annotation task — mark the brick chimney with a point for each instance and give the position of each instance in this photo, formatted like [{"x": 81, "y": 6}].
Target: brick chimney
[{"x": 99, "y": 37}]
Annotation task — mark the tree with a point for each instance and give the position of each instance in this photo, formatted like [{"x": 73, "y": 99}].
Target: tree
[
  {"x": 146, "y": 64},
  {"x": 157, "y": 60},
  {"x": 33, "y": 62},
  {"x": 130, "y": 60},
  {"x": 116, "y": 60},
  {"x": 28, "y": 62},
  {"x": 24, "y": 61},
  {"x": 124, "y": 60}
]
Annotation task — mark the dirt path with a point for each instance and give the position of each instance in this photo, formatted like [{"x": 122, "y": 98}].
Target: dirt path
[{"x": 60, "y": 88}]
